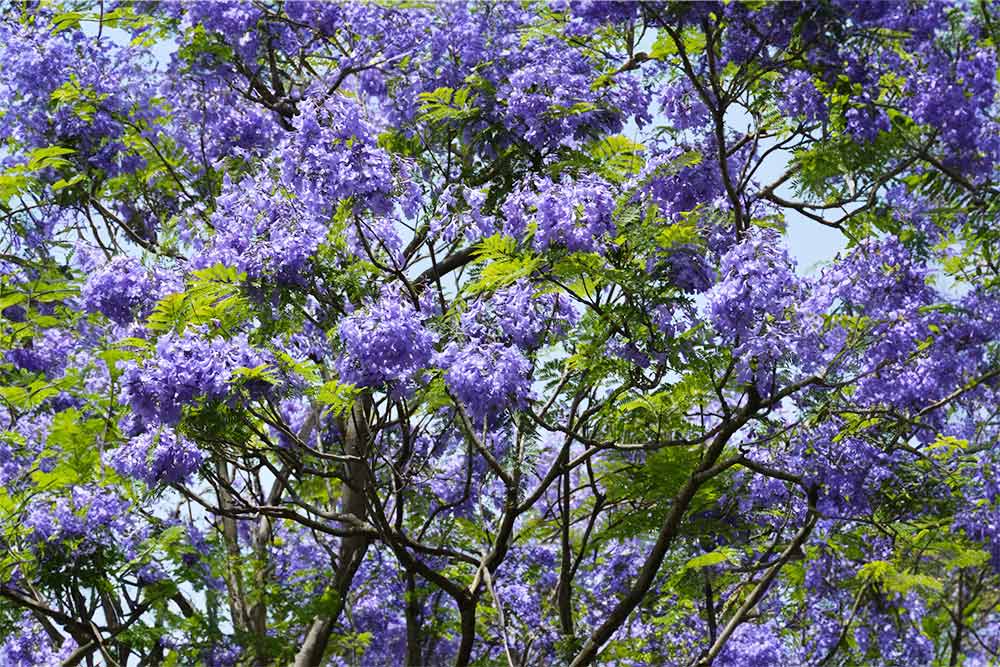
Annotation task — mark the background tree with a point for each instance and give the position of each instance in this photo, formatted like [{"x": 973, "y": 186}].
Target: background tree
[{"x": 375, "y": 334}]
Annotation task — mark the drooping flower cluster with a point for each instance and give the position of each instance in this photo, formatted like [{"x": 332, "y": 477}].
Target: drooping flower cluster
[
  {"x": 89, "y": 518},
  {"x": 123, "y": 290},
  {"x": 384, "y": 343},
  {"x": 679, "y": 179},
  {"x": 29, "y": 646},
  {"x": 572, "y": 214},
  {"x": 487, "y": 378},
  {"x": 534, "y": 88},
  {"x": 520, "y": 314},
  {"x": 45, "y": 353},
  {"x": 22, "y": 442},
  {"x": 271, "y": 223},
  {"x": 333, "y": 156},
  {"x": 918, "y": 351},
  {"x": 232, "y": 20},
  {"x": 802, "y": 98},
  {"x": 159, "y": 455},
  {"x": 957, "y": 101},
  {"x": 547, "y": 100},
  {"x": 66, "y": 89},
  {"x": 751, "y": 307},
  {"x": 210, "y": 122},
  {"x": 684, "y": 266},
  {"x": 185, "y": 368},
  {"x": 261, "y": 231}
]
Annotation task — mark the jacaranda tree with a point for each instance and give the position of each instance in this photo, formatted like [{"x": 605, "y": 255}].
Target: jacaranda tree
[{"x": 403, "y": 333}]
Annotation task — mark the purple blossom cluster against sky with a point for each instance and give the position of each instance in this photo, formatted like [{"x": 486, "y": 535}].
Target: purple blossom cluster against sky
[{"x": 549, "y": 332}]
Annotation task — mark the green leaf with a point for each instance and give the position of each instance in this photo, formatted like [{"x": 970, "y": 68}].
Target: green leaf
[
  {"x": 11, "y": 299},
  {"x": 49, "y": 156},
  {"x": 663, "y": 47},
  {"x": 723, "y": 555},
  {"x": 261, "y": 373},
  {"x": 63, "y": 183},
  {"x": 169, "y": 313},
  {"x": 617, "y": 157},
  {"x": 681, "y": 233},
  {"x": 446, "y": 104},
  {"x": 339, "y": 397},
  {"x": 66, "y": 21},
  {"x": 12, "y": 184},
  {"x": 503, "y": 273},
  {"x": 888, "y": 575},
  {"x": 495, "y": 247}
]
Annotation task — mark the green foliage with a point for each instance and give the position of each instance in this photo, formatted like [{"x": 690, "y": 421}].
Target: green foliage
[
  {"x": 724, "y": 555},
  {"x": 337, "y": 397},
  {"x": 447, "y": 104},
  {"x": 886, "y": 574},
  {"x": 213, "y": 297}
]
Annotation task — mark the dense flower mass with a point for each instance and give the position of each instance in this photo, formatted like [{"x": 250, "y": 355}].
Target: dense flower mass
[
  {"x": 753, "y": 305},
  {"x": 259, "y": 230},
  {"x": 158, "y": 455},
  {"x": 185, "y": 368},
  {"x": 29, "y": 646},
  {"x": 333, "y": 156},
  {"x": 570, "y": 332},
  {"x": 123, "y": 290},
  {"x": 575, "y": 215},
  {"x": 44, "y": 353},
  {"x": 520, "y": 314},
  {"x": 66, "y": 89},
  {"x": 386, "y": 343},
  {"x": 487, "y": 378},
  {"x": 88, "y": 519}
]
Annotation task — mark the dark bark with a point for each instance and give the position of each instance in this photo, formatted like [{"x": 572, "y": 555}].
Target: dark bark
[
  {"x": 357, "y": 439},
  {"x": 668, "y": 532}
]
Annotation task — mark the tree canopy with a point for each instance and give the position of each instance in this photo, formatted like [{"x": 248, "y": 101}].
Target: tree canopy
[{"x": 426, "y": 333}]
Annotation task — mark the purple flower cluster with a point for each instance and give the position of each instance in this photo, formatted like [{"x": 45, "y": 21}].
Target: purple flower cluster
[
  {"x": 225, "y": 653},
  {"x": 538, "y": 91},
  {"x": 45, "y": 353},
  {"x": 548, "y": 100},
  {"x": 210, "y": 121},
  {"x": 685, "y": 266},
  {"x": 678, "y": 180},
  {"x": 865, "y": 122},
  {"x": 89, "y": 518},
  {"x": 573, "y": 213},
  {"x": 261, "y": 231},
  {"x": 159, "y": 455},
  {"x": 38, "y": 61},
  {"x": 29, "y": 646},
  {"x": 185, "y": 368},
  {"x": 385, "y": 343},
  {"x": 123, "y": 290},
  {"x": 22, "y": 441},
  {"x": 752, "y": 305},
  {"x": 802, "y": 98},
  {"x": 917, "y": 352},
  {"x": 333, "y": 155},
  {"x": 957, "y": 100},
  {"x": 487, "y": 378},
  {"x": 300, "y": 562},
  {"x": 521, "y": 315},
  {"x": 234, "y": 21},
  {"x": 270, "y": 224},
  {"x": 756, "y": 645}
]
